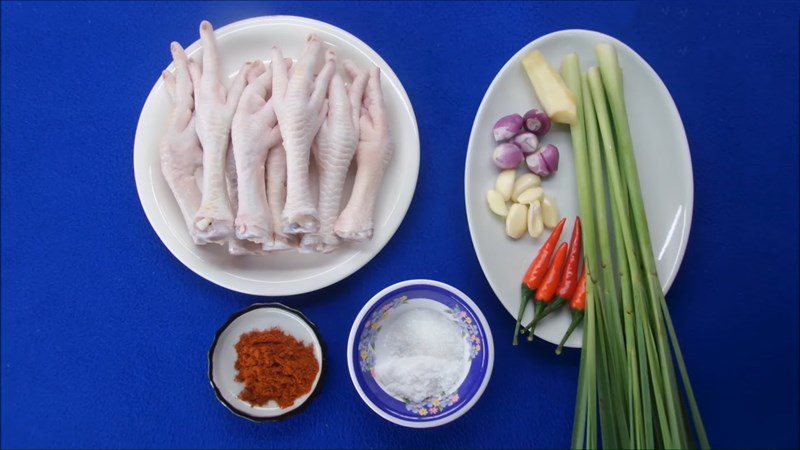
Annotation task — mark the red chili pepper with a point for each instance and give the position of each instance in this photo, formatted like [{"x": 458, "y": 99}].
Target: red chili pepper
[
  {"x": 579, "y": 298},
  {"x": 548, "y": 287},
  {"x": 578, "y": 303},
  {"x": 538, "y": 268},
  {"x": 535, "y": 273},
  {"x": 569, "y": 278}
]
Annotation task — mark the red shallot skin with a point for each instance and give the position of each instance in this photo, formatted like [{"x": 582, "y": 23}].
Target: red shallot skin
[
  {"x": 537, "y": 122},
  {"x": 507, "y": 155},
  {"x": 544, "y": 162},
  {"x": 527, "y": 141},
  {"x": 507, "y": 127}
]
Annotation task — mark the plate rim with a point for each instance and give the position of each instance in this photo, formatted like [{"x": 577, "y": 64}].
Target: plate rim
[
  {"x": 673, "y": 110},
  {"x": 489, "y": 351},
  {"x": 246, "y": 285}
]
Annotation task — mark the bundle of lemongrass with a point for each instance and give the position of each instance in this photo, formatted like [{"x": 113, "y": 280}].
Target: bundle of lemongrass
[{"x": 627, "y": 376}]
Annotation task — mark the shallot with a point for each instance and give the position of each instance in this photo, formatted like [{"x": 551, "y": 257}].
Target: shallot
[
  {"x": 537, "y": 122},
  {"x": 507, "y": 155},
  {"x": 528, "y": 142},
  {"x": 507, "y": 127},
  {"x": 544, "y": 162}
]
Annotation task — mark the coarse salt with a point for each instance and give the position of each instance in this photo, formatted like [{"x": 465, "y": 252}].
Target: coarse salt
[{"x": 419, "y": 354}]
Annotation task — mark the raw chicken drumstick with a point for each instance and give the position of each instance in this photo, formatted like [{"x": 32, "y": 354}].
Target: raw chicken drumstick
[
  {"x": 373, "y": 154},
  {"x": 214, "y": 106},
  {"x": 180, "y": 151},
  {"x": 276, "y": 197},
  {"x": 254, "y": 132},
  {"x": 333, "y": 150},
  {"x": 298, "y": 101}
]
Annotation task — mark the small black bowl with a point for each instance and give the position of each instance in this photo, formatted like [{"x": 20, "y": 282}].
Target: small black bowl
[{"x": 222, "y": 357}]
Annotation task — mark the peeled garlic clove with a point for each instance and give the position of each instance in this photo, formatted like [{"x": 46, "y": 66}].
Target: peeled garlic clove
[
  {"x": 516, "y": 223},
  {"x": 530, "y": 195},
  {"x": 549, "y": 212},
  {"x": 496, "y": 203},
  {"x": 505, "y": 183},
  {"x": 535, "y": 223},
  {"x": 524, "y": 183}
]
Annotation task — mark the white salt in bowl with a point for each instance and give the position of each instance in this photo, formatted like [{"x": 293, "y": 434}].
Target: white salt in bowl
[{"x": 455, "y": 306}]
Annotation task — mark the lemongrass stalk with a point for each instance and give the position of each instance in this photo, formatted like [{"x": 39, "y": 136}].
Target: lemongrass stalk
[
  {"x": 698, "y": 422},
  {"x": 639, "y": 434},
  {"x": 639, "y": 300},
  {"x": 607, "y": 402},
  {"x": 638, "y": 305},
  {"x": 612, "y": 80},
  {"x": 581, "y": 405},
  {"x": 591, "y": 373},
  {"x": 609, "y": 323},
  {"x": 570, "y": 70},
  {"x": 625, "y": 294}
]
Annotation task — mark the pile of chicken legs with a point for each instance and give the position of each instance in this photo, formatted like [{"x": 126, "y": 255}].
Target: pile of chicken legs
[{"x": 237, "y": 159}]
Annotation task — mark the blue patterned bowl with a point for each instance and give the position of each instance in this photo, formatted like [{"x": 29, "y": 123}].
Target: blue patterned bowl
[{"x": 433, "y": 411}]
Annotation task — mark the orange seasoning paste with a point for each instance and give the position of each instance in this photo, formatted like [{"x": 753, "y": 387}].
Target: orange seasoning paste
[{"x": 274, "y": 366}]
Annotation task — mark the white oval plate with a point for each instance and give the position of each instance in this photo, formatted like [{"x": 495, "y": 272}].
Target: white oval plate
[
  {"x": 662, "y": 156},
  {"x": 281, "y": 273}
]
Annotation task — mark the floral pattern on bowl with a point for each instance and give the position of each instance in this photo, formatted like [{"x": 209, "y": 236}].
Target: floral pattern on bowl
[
  {"x": 468, "y": 329},
  {"x": 433, "y": 405}
]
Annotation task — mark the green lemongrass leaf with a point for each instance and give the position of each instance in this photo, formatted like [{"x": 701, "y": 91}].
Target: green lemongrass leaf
[
  {"x": 669, "y": 437},
  {"x": 611, "y": 339},
  {"x": 579, "y": 421},
  {"x": 591, "y": 393},
  {"x": 612, "y": 80},
  {"x": 570, "y": 70},
  {"x": 620, "y": 220},
  {"x": 607, "y": 401},
  {"x": 585, "y": 416},
  {"x": 698, "y": 421},
  {"x": 644, "y": 373}
]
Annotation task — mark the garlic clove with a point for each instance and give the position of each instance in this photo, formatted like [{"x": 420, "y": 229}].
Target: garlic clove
[
  {"x": 535, "y": 221},
  {"x": 516, "y": 220},
  {"x": 505, "y": 183},
  {"x": 496, "y": 203},
  {"x": 549, "y": 212},
  {"x": 523, "y": 183},
  {"x": 530, "y": 195}
]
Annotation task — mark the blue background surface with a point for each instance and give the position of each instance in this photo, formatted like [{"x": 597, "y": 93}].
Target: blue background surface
[{"x": 104, "y": 333}]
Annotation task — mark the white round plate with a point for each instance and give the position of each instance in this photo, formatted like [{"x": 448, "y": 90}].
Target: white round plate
[
  {"x": 281, "y": 273},
  {"x": 662, "y": 157},
  {"x": 222, "y": 357}
]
